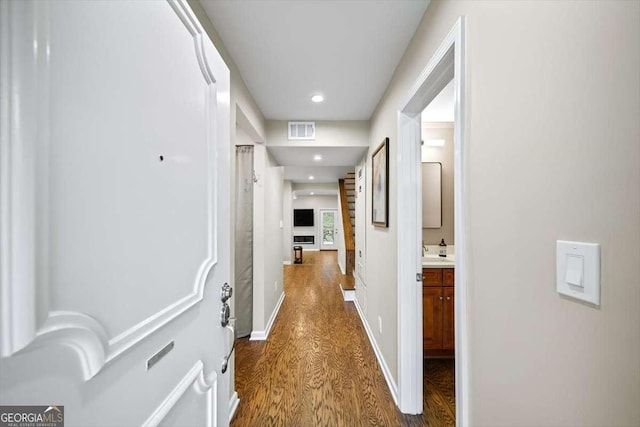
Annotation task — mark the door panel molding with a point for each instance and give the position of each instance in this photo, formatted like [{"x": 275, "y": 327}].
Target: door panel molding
[
  {"x": 27, "y": 323},
  {"x": 197, "y": 381}
]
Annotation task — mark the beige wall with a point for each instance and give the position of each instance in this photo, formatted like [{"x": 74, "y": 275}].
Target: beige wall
[
  {"x": 287, "y": 221},
  {"x": 444, "y": 155},
  {"x": 267, "y": 235},
  {"x": 273, "y": 214},
  {"x": 328, "y": 133},
  {"x": 554, "y": 153}
]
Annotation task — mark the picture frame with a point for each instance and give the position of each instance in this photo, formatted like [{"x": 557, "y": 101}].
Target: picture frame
[{"x": 380, "y": 185}]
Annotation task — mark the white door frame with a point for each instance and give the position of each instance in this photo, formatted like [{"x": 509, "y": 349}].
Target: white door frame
[
  {"x": 335, "y": 229},
  {"x": 448, "y": 62}
]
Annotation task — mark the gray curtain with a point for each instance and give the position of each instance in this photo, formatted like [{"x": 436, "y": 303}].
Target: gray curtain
[{"x": 244, "y": 240}]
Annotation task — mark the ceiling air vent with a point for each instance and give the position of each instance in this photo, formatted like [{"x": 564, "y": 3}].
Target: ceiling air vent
[{"x": 302, "y": 130}]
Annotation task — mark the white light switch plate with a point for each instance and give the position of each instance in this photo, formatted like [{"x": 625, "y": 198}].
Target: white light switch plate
[{"x": 578, "y": 270}]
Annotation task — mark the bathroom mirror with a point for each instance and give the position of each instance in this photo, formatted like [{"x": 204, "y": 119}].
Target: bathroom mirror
[{"x": 431, "y": 195}]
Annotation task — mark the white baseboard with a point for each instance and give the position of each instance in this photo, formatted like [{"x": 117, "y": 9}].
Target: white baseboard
[
  {"x": 341, "y": 266},
  {"x": 286, "y": 262},
  {"x": 233, "y": 405},
  {"x": 263, "y": 335},
  {"x": 349, "y": 295},
  {"x": 393, "y": 388}
]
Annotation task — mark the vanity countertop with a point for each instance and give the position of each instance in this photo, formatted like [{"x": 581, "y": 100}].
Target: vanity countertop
[{"x": 434, "y": 261}]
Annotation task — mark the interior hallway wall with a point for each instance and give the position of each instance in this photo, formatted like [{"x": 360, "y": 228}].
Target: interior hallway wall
[
  {"x": 267, "y": 258},
  {"x": 287, "y": 221},
  {"x": 340, "y": 238},
  {"x": 554, "y": 153}
]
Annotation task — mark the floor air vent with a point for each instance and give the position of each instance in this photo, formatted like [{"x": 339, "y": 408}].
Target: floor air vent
[{"x": 302, "y": 130}]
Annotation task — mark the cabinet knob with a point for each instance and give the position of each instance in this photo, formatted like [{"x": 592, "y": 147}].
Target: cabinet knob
[
  {"x": 448, "y": 298},
  {"x": 440, "y": 297}
]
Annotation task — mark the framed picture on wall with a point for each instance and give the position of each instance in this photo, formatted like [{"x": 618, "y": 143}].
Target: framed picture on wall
[{"x": 380, "y": 185}]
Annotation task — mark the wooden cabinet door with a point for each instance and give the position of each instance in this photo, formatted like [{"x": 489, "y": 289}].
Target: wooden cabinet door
[
  {"x": 431, "y": 277},
  {"x": 448, "y": 276},
  {"x": 432, "y": 318},
  {"x": 448, "y": 316}
]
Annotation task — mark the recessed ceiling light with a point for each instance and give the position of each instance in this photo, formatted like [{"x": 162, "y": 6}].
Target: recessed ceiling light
[
  {"x": 317, "y": 98},
  {"x": 312, "y": 193},
  {"x": 317, "y": 157},
  {"x": 311, "y": 177}
]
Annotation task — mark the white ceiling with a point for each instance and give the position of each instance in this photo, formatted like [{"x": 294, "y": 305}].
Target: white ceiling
[
  {"x": 288, "y": 51},
  {"x": 440, "y": 110}
]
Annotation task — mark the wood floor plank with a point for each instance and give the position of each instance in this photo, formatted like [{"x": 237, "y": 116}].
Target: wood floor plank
[{"x": 318, "y": 368}]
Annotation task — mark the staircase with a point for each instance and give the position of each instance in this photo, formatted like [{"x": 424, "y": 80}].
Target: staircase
[
  {"x": 350, "y": 186},
  {"x": 348, "y": 206}
]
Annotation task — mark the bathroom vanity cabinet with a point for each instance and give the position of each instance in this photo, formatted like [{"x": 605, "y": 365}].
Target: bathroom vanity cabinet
[{"x": 438, "y": 305}]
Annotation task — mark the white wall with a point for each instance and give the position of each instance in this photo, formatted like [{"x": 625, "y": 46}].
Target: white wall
[
  {"x": 553, "y": 153},
  {"x": 242, "y": 137},
  {"x": 316, "y": 203},
  {"x": 444, "y": 155},
  {"x": 267, "y": 237},
  {"x": 287, "y": 221},
  {"x": 340, "y": 243}
]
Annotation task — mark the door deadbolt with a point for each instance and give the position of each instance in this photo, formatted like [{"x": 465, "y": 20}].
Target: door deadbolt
[{"x": 226, "y": 292}]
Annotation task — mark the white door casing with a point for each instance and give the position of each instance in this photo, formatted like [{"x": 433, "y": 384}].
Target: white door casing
[
  {"x": 114, "y": 189},
  {"x": 447, "y": 63}
]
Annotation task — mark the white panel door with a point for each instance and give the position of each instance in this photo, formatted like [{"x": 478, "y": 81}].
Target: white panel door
[{"x": 114, "y": 226}]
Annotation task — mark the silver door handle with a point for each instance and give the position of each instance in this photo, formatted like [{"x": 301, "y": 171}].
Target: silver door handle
[{"x": 225, "y": 360}]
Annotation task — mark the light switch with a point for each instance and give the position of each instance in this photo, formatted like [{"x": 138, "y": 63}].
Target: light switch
[
  {"x": 574, "y": 270},
  {"x": 578, "y": 270}
]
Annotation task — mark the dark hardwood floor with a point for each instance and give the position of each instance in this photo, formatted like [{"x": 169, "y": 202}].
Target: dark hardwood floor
[{"x": 318, "y": 368}]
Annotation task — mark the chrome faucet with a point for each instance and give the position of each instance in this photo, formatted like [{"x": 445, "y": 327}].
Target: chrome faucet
[{"x": 424, "y": 249}]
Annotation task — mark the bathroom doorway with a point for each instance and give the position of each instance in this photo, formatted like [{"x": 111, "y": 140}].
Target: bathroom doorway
[
  {"x": 438, "y": 257},
  {"x": 447, "y": 64}
]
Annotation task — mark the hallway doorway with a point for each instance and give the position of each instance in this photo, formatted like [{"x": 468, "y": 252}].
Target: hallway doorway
[{"x": 328, "y": 229}]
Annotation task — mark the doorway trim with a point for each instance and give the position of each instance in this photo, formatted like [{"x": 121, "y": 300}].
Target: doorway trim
[{"x": 448, "y": 62}]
